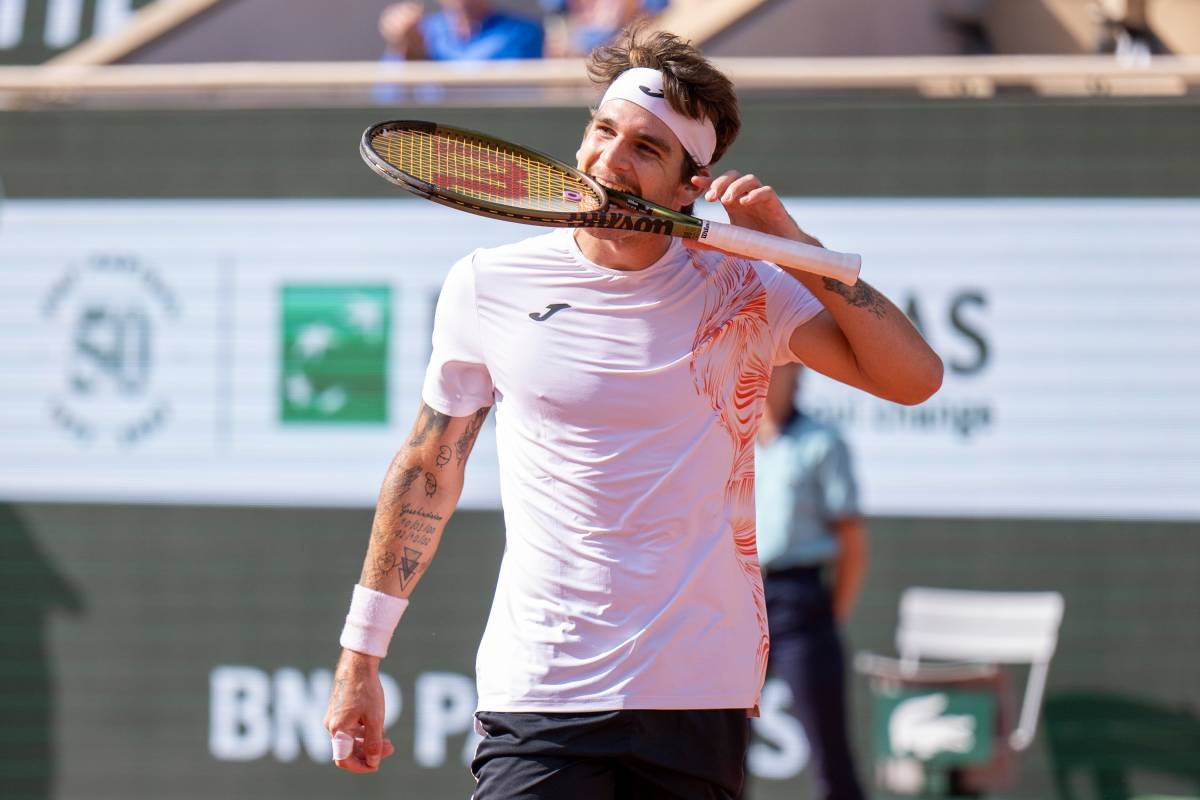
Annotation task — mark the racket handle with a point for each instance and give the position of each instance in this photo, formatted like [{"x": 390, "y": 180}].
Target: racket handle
[{"x": 843, "y": 267}]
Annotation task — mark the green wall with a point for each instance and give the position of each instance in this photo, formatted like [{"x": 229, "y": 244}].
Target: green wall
[
  {"x": 1019, "y": 146},
  {"x": 116, "y": 616}
]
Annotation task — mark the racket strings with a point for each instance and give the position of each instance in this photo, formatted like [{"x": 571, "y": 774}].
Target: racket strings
[{"x": 485, "y": 171}]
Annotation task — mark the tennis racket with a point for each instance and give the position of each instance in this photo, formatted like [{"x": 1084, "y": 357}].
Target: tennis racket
[{"x": 488, "y": 176}]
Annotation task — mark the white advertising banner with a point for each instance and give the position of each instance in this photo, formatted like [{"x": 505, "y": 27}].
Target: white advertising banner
[{"x": 271, "y": 352}]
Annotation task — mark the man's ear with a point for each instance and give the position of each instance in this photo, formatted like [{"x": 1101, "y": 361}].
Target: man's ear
[
  {"x": 586, "y": 129},
  {"x": 689, "y": 192}
]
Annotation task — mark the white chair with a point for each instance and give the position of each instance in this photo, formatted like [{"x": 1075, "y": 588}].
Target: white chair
[{"x": 984, "y": 628}]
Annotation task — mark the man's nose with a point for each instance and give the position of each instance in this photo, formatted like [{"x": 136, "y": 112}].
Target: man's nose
[{"x": 614, "y": 155}]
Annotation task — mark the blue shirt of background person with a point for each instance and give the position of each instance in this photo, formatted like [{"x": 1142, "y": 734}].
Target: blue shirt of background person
[
  {"x": 463, "y": 30},
  {"x": 499, "y": 36},
  {"x": 803, "y": 484}
]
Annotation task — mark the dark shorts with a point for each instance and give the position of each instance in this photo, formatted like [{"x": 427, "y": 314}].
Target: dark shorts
[{"x": 611, "y": 755}]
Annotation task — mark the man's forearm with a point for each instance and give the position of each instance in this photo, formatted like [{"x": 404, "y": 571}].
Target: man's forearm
[
  {"x": 889, "y": 350},
  {"x": 410, "y": 516},
  {"x": 419, "y": 493}
]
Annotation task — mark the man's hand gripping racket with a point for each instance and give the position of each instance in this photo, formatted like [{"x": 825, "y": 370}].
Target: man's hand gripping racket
[{"x": 494, "y": 178}]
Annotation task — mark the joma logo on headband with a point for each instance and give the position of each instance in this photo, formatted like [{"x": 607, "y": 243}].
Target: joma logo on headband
[{"x": 623, "y": 222}]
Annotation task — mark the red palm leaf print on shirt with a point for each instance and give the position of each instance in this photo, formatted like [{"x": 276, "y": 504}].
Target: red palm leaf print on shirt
[{"x": 730, "y": 367}]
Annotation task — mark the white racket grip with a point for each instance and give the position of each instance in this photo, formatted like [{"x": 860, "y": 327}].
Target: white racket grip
[{"x": 843, "y": 267}]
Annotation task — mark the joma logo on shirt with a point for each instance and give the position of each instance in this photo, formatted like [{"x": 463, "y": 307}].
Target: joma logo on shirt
[
  {"x": 624, "y": 222},
  {"x": 550, "y": 311}
]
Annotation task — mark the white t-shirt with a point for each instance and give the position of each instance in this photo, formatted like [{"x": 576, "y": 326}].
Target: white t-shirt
[{"x": 627, "y": 405}]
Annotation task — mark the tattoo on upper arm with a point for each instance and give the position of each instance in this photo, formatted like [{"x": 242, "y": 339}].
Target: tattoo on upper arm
[
  {"x": 428, "y": 421},
  {"x": 430, "y": 484},
  {"x": 860, "y": 295},
  {"x": 465, "y": 442},
  {"x": 444, "y": 455}
]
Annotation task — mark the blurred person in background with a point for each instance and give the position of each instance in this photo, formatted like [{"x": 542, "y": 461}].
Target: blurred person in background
[
  {"x": 577, "y": 27},
  {"x": 812, "y": 545},
  {"x": 463, "y": 30},
  {"x": 1127, "y": 32}
]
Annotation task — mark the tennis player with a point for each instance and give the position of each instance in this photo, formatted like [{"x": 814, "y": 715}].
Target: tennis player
[{"x": 627, "y": 641}]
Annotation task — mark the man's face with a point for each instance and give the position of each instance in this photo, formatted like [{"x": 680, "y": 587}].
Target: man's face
[{"x": 626, "y": 147}]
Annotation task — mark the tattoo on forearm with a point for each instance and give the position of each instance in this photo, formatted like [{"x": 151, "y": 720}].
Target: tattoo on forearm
[
  {"x": 379, "y": 568},
  {"x": 407, "y": 479},
  {"x": 415, "y": 526},
  {"x": 465, "y": 442},
  {"x": 430, "y": 484},
  {"x": 407, "y": 567},
  {"x": 860, "y": 295},
  {"x": 444, "y": 455},
  {"x": 409, "y": 510},
  {"x": 410, "y": 566},
  {"x": 411, "y": 532},
  {"x": 428, "y": 421}
]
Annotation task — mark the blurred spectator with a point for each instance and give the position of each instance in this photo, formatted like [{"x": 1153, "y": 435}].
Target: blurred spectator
[
  {"x": 813, "y": 551},
  {"x": 1127, "y": 32},
  {"x": 463, "y": 30},
  {"x": 576, "y": 27}
]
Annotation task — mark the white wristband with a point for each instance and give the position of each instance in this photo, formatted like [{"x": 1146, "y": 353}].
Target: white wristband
[{"x": 372, "y": 619}]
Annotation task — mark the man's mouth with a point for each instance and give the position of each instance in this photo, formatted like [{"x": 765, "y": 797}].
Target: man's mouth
[{"x": 614, "y": 185}]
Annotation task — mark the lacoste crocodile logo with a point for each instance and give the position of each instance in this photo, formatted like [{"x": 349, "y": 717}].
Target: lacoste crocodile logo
[{"x": 550, "y": 311}]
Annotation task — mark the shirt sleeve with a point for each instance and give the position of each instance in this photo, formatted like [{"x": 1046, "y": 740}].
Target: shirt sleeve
[
  {"x": 839, "y": 492},
  {"x": 789, "y": 305},
  {"x": 457, "y": 381}
]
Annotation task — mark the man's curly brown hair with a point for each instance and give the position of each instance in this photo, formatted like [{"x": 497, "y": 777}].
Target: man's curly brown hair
[{"x": 692, "y": 85}]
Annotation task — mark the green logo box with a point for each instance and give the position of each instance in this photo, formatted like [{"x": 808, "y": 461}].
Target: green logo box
[
  {"x": 335, "y": 353},
  {"x": 940, "y": 727}
]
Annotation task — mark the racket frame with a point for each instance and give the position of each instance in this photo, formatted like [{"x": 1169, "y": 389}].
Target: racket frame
[
  {"x": 655, "y": 218},
  {"x": 637, "y": 214}
]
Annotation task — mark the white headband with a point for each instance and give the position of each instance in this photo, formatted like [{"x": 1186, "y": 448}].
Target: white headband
[{"x": 643, "y": 86}]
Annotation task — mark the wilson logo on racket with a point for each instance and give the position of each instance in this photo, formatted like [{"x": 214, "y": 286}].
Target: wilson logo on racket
[
  {"x": 623, "y": 222},
  {"x": 484, "y": 173}
]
